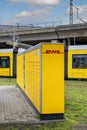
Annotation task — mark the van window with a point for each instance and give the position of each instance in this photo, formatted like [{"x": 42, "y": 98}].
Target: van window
[
  {"x": 4, "y": 61},
  {"x": 79, "y": 61}
]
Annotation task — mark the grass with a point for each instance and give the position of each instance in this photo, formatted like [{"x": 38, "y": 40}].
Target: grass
[
  {"x": 7, "y": 81},
  {"x": 75, "y": 109}
]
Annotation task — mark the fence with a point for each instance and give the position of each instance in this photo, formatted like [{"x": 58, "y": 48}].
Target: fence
[{"x": 4, "y": 28}]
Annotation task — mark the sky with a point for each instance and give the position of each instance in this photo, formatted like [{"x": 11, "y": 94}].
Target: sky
[{"x": 26, "y": 12}]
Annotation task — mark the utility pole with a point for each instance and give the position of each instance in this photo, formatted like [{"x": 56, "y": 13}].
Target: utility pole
[
  {"x": 71, "y": 11},
  {"x": 77, "y": 11}
]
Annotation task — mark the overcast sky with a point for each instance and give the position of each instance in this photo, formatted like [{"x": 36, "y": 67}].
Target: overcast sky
[{"x": 37, "y": 11}]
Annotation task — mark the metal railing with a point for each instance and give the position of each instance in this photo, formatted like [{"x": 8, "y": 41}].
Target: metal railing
[{"x": 4, "y": 28}]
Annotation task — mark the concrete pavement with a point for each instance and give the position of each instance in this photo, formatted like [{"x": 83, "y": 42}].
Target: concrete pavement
[{"x": 14, "y": 108}]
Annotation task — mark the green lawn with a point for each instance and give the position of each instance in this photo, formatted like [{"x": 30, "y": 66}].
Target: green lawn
[
  {"x": 7, "y": 81},
  {"x": 75, "y": 109}
]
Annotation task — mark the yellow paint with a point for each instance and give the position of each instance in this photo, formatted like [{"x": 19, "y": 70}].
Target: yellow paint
[
  {"x": 74, "y": 72},
  {"x": 7, "y": 71}
]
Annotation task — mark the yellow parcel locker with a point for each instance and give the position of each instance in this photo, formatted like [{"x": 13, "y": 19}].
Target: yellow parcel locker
[
  {"x": 44, "y": 79},
  {"x": 77, "y": 62}
]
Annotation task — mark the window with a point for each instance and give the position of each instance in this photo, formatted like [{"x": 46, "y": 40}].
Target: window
[
  {"x": 79, "y": 61},
  {"x": 4, "y": 61}
]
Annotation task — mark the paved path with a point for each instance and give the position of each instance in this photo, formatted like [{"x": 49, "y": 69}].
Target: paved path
[{"x": 13, "y": 106}]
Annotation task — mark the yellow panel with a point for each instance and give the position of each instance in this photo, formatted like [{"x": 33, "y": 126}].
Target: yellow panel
[
  {"x": 52, "y": 78},
  {"x": 7, "y": 71},
  {"x": 20, "y": 71},
  {"x": 32, "y": 78},
  {"x": 76, "y": 73}
]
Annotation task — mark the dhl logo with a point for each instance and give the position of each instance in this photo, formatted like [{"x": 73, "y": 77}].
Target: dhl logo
[{"x": 53, "y": 52}]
